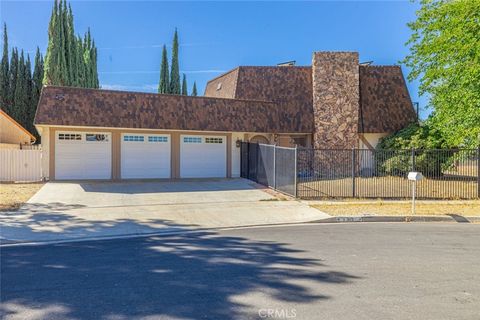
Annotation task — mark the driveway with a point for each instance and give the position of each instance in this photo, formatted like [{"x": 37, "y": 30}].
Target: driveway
[{"x": 73, "y": 210}]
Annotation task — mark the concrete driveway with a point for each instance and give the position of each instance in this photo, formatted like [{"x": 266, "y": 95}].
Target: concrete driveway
[{"x": 75, "y": 210}]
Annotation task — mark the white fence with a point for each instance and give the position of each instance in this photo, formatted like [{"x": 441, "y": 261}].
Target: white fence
[{"x": 20, "y": 165}]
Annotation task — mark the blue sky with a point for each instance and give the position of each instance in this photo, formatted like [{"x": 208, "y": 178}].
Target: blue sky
[{"x": 218, "y": 36}]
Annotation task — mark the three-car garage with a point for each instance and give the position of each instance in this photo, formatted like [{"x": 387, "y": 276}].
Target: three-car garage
[{"x": 95, "y": 155}]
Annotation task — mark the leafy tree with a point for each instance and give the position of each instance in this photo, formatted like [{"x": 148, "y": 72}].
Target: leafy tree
[
  {"x": 184, "y": 86},
  {"x": 164, "y": 85},
  {"x": 417, "y": 139},
  {"x": 445, "y": 57},
  {"x": 194, "y": 89},
  {"x": 4, "y": 83},
  {"x": 175, "y": 69}
]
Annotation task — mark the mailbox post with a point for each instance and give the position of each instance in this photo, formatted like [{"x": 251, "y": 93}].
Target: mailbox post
[{"x": 414, "y": 177}]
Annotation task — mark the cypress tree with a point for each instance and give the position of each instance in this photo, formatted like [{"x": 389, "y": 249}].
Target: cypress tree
[
  {"x": 69, "y": 61},
  {"x": 93, "y": 61},
  {"x": 19, "y": 107},
  {"x": 175, "y": 70},
  {"x": 87, "y": 44},
  {"x": 194, "y": 89},
  {"x": 184, "y": 86},
  {"x": 27, "y": 114},
  {"x": 70, "y": 47},
  {"x": 81, "y": 69},
  {"x": 51, "y": 57},
  {"x": 12, "y": 80},
  {"x": 36, "y": 89},
  {"x": 4, "y": 83},
  {"x": 163, "y": 86}
]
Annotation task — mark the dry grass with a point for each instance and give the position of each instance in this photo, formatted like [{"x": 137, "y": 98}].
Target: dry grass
[
  {"x": 13, "y": 195},
  {"x": 389, "y": 187},
  {"x": 381, "y": 208}
]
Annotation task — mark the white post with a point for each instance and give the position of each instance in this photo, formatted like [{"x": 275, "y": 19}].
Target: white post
[{"x": 413, "y": 197}]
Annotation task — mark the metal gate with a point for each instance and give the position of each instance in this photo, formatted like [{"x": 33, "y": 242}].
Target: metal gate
[{"x": 271, "y": 166}]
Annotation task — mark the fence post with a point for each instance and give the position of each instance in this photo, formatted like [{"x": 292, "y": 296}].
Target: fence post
[
  {"x": 353, "y": 173},
  {"x": 274, "y": 167},
  {"x": 296, "y": 187},
  {"x": 478, "y": 172},
  {"x": 413, "y": 159}
]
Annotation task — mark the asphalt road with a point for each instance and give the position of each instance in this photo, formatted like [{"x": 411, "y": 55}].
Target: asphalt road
[{"x": 330, "y": 271}]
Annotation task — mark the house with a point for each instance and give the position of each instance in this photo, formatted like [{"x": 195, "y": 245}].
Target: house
[
  {"x": 12, "y": 134},
  {"x": 335, "y": 103}
]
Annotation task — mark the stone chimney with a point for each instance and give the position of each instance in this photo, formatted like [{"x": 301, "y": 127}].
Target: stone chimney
[{"x": 336, "y": 100}]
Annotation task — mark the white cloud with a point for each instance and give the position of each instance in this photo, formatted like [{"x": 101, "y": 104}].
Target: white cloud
[
  {"x": 121, "y": 87},
  {"x": 156, "y": 72}
]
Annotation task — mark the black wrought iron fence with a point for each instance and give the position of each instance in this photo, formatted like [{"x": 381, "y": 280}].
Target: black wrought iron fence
[
  {"x": 361, "y": 173},
  {"x": 269, "y": 165}
]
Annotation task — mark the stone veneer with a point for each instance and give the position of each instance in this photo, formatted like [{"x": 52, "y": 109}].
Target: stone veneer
[{"x": 336, "y": 101}]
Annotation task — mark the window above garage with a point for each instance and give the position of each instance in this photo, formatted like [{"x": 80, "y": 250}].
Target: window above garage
[
  {"x": 134, "y": 138},
  {"x": 94, "y": 137},
  {"x": 157, "y": 139},
  {"x": 69, "y": 136},
  {"x": 192, "y": 140},
  {"x": 213, "y": 140}
]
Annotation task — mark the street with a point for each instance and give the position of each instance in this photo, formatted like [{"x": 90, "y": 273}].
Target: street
[{"x": 317, "y": 271}]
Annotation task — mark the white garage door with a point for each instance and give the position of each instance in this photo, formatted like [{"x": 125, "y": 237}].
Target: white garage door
[
  {"x": 203, "y": 156},
  {"x": 80, "y": 155},
  {"x": 145, "y": 156}
]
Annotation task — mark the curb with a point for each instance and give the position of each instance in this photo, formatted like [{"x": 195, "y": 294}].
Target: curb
[{"x": 442, "y": 218}]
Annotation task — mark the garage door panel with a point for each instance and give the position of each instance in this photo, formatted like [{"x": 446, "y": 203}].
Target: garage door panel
[
  {"x": 145, "y": 156},
  {"x": 82, "y": 159},
  {"x": 199, "y": 159}
]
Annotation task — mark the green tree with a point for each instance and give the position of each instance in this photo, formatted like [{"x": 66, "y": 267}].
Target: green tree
[
  {"x": 445, "y": 57},
  {"x": 20, "y": 101},
  {"x": 36, "y": 89},
  {"x": 175, "y": 69},
  {"x": 164, "y": 85},
  {"x": 184, "y": 86},
  {"x": 4, "y": 83},
  {"x": 194, "y": 89},
  {"x": 12, "y": 80},
  {"x": 69, "y": 61}
]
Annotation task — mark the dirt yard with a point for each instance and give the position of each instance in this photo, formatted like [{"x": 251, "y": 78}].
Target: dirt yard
[
  {"x": 13, "y": 195},
  {"x": 394, "y": 208},
  {"x": 389, "y": 187}
]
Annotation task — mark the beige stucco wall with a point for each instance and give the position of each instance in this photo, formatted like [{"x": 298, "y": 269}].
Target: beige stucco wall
[
  {"x": 10, "y": 133},
  {"x": 372, "y": 139},
  {"x": 9, "y": 146},
  {"x": 48, "y": 144}
]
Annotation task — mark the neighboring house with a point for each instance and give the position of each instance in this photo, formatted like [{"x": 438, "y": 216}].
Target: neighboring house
[
  {"x": 335, "y": 103},
  {"x": 12, "y": 134}
]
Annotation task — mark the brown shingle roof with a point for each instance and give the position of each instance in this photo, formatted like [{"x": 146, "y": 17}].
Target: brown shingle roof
[
  {"x": 68, "y": 106},
  {"x": 289, "y": 86},
  {"x": 385, "y": 102}
]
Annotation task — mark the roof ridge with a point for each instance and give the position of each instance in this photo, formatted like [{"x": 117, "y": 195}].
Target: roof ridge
[
  {"x": 154, "y": 94},
  {"x": 223, "y": 74}
]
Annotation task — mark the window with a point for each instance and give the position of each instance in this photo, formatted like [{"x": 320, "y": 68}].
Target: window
[
  {"x": 213, "y": 140},
  {"x": 134, "y": 138},
  {"x": 69, "y": 136},
  {"x": 96, "y": 137},
  {"x": 192, "y": 140},
  {"x": 219, "y": 86},
  {"x": 157, "y": 139}
]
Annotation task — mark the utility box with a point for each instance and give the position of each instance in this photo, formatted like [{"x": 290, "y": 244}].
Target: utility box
[{"x": 415, "y": 176}]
